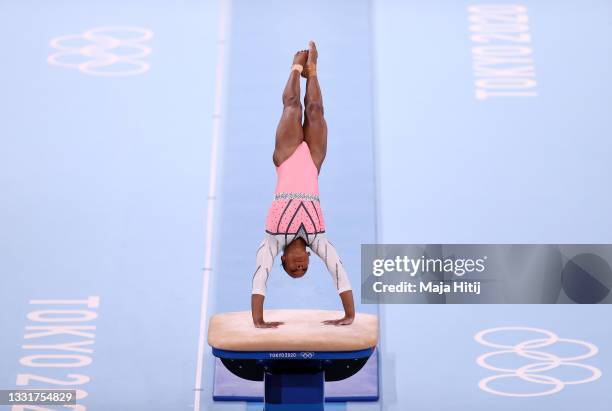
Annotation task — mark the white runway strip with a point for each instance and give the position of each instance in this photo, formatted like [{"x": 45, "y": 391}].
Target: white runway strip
[{"x": 214, "y": 153}]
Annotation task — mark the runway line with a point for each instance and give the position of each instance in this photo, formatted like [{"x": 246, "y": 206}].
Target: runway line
[{"x": 216, "y": 129}]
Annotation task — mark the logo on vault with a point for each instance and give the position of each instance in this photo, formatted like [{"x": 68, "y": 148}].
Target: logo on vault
[
  {"x": 543, "y": 361},
  {"x": 103, "y": 51}
]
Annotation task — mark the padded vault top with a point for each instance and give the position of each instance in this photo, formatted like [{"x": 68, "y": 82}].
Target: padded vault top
[{"x": 302, "y": 331}]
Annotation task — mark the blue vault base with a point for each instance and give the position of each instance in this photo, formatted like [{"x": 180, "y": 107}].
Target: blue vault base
[{"x": 363, "y": 386}]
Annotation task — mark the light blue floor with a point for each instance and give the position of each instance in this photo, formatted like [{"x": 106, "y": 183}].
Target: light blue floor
[
  {"x": 104, "y": 183},
  {"x": 452, "y": 168},
  {"x": 103, "y": 193}
]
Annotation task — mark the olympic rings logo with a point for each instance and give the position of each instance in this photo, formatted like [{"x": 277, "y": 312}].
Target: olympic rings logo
[
  {"x": 545, "y": 361},
  {"x": 307, "y": 355},
  {"x": 101, "y": 51}
]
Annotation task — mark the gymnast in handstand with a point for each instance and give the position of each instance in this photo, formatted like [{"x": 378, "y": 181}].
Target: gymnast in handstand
[{"x": 295, "y": 220}]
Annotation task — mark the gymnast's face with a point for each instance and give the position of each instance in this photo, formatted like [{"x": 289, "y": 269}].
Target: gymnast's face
[{"x": 295, "y": 262}]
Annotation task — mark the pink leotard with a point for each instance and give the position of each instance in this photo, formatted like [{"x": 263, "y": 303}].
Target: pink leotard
[
  {"x": 295, "y": 212},
  {"x": 296, "y": 201}
]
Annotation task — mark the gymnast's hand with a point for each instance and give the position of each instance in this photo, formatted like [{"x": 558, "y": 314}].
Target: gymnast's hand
[
  {"x": 346, "y": 320},
  {"x": 271, "y": 324},
  {"x": 349, "y": 310},
  {"x": 257, "y": 302}
]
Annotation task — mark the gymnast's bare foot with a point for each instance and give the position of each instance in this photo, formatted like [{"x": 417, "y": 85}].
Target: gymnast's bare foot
[
  {"x": 310, "y": 68},
  {"x": 300, "y": 57}
]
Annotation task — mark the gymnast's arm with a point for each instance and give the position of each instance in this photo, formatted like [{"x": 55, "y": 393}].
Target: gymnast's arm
[
  {"x": 327, "y": 252},
  {"x": 267, "y": 251}
]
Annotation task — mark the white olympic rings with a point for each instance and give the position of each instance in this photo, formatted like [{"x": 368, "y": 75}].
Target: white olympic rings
[
  {"x": 102, "y": 51},
  {"x": 546, "y": 361}
]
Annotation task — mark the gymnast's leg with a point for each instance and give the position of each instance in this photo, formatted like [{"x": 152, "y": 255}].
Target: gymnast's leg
[
  {"x": 315, "y": 126},
  {"x": 315, "y": 134},
  {"x": 289, "y": 133}
]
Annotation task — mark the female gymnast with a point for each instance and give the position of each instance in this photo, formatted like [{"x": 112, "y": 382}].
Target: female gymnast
[{"x": 295, "y": 220}]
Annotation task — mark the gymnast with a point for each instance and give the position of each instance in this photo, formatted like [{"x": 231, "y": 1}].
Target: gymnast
[{"x": 295, "y": 220}]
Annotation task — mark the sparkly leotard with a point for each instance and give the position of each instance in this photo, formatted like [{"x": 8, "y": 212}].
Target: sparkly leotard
[
  {"x": 296, "y": 212},
  {"x": 296, "y": 201}
]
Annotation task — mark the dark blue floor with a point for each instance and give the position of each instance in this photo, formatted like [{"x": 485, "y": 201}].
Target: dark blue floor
[
  {"x": 254, "y": 108},
  {"x": 257, "y": 75}
]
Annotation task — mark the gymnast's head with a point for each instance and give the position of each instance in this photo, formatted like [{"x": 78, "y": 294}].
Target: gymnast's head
[{"x": 295, "y": 258}]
